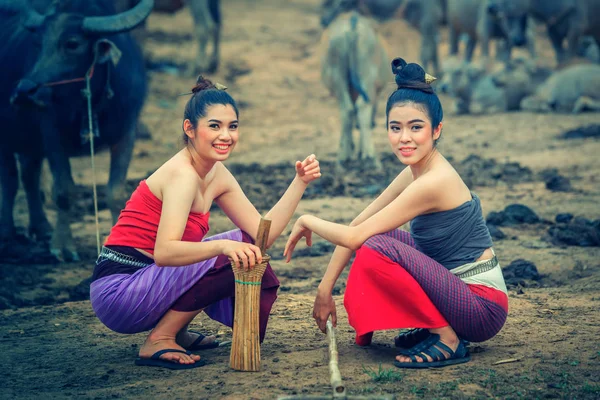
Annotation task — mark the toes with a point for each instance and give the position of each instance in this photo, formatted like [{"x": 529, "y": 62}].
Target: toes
[{"x": 209, "y": 339}]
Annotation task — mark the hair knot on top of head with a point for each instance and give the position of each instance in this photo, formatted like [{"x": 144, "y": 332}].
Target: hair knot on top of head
[
  {"x": 411, "y": 76},
  {"x": 205, "y": 84}
]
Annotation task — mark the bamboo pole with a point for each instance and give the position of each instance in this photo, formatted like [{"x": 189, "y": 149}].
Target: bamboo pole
[
  {"x": 339, "y": 390},
  {"x": 245, "y": 345}
]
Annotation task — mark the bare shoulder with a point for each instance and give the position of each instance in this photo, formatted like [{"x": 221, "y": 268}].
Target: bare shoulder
[
  {"x": 222, "y": 179},
  {"x": 446, "y": 185},
  {"x": 176, "y": 172}
]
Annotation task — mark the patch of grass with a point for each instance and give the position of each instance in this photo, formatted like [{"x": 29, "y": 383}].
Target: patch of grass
[
  {"x": 489, "y": 379},
  {"x": 419, "y": 390},
  {"x": 446, "y": 388},
  {"x": 383, "y": 375},
  {"x": 591, "y": 389}
]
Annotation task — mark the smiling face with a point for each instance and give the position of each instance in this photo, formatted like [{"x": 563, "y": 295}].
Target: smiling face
[
  {"x": 216, "y": 133},
  {"x": 410, "y": 133}
]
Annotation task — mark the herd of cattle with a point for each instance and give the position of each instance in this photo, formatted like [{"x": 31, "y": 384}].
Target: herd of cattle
[
  {"x": 52, "y": 48},
  {"x": 355, "y": 66}
]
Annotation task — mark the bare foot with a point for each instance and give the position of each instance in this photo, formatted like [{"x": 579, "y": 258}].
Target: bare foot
[
  {"x": 152, "y": 345},
  {"x": 447, "y": 337},
  {"x": 186, "y": 338}
]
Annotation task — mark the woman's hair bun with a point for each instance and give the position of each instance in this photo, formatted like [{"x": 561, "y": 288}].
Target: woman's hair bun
[
  {"x": 410, "y": 75},
  {"x": 202, "y": 84}
]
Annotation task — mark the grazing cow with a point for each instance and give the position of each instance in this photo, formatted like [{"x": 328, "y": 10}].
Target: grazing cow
[
  {"x": 207, "y": 28},
  {"x": 480, "y": 21},
  {"x": 355, "y": 68},
  {"x": 573, "y": 89},
  {"x": 50, "y": 47}
]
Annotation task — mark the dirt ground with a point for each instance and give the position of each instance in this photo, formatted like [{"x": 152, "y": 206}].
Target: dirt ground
[{"x": 53, "y": 346}]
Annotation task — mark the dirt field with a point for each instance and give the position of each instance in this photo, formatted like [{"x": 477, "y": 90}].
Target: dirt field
[{"x": 52, "y": 345}]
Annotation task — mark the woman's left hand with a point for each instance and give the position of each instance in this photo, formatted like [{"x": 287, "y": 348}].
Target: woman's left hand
[
  {"x": 309, "y": 169},
  {"x": 298, "y": 232}
]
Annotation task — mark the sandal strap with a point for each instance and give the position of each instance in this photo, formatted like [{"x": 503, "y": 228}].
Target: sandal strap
[
  {"x": 425, "y": 344},
  {"x": 445, "y": 348},
  {"x": 159, "y": 353},
  {"x": 434, "y": 353}
]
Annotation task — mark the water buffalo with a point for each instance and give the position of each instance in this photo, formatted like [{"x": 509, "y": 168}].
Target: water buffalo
[
  {"x": 207, "y": 28},
  {"x": 426, "y": 16},
  {"x": 503, "y": 90},
  {"x": 573, "y": 89},
  {"x": 355, "y": 68},
  {"x": 482, "y": 20},
  {"x": 564, "y": 19},
  {"x": 50, "y": 46}
]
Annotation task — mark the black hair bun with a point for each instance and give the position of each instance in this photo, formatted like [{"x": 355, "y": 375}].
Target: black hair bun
[
  {"x": 203, "y": 84},
  {"x": 410, "y": 75}
]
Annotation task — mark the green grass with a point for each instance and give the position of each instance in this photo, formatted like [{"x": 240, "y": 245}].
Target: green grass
[
  {"x": 591, "y": 389},
  {"x": 383, "y": 375}
]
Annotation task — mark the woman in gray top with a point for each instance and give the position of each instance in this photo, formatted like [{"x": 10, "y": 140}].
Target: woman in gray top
[{"x": 442, "y": 279}]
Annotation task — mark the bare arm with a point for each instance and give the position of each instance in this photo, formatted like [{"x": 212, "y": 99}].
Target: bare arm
[
  {"x": 420, "y": 197},
  {"x": 245, "y": 216},
  {"x": 177, "y": 198},
  {"x": 324, "y": 305},
  {"x": 342, "y": 255}
]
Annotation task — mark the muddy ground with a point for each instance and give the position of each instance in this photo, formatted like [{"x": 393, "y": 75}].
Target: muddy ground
[{"x": 52, "y": 346}]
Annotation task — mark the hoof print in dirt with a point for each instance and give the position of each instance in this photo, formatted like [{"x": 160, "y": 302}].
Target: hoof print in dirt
[
  {"x": 513, "y": 214},
  {"x": 495, "y": 232},
  {"x": 521, "y": 272},
  {"x": 582, "y": 132},
  {"x": 576, "y": 232},
  {"x": 554, "y": 181}
]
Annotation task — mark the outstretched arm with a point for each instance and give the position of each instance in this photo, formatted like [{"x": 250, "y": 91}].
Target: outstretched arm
[
  {"x": 419, "y": 198},
  {"x": 281, "y": 213},
  {"x": 244, "y": 215},
  {"x": 324, "y": 305}
]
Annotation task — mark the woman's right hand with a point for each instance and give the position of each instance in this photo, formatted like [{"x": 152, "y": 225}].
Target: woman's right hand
[
  {"x": 324, "y": 307},
  {"x": 243, "y": 254}
]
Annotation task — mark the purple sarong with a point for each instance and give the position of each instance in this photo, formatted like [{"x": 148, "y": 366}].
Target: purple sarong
[{"x": 135, "y": 303}]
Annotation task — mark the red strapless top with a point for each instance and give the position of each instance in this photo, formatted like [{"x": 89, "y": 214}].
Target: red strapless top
[{"x": 138, "y": 222}]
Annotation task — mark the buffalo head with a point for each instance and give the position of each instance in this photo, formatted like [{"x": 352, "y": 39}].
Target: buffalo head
[
  {"x": 69, "y": 42},
  {"x": 511, "y": 18}
]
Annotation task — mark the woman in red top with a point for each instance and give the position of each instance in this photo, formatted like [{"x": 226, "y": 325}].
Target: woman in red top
[{"x": 157, "y": 271}]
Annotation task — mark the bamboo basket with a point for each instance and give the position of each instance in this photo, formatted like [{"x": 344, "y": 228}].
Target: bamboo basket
[
  {"x": 245, "y": 348},
  {"x": 245, "y": 344}
]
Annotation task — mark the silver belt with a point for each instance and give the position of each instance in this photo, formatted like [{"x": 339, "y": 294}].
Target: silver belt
[
  {"x": 480, "y": 268},
  {"x": 109, "y": 254}
]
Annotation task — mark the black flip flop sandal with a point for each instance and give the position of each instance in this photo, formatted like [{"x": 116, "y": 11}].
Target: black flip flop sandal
[
  {"x": 156, "y": 361},
  {"x": 196, "y": 346}
]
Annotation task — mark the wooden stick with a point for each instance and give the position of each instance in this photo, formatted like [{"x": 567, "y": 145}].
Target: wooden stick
[
  {"x": 336, "y": 378},
  {"x": 262, "y": 237}
]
